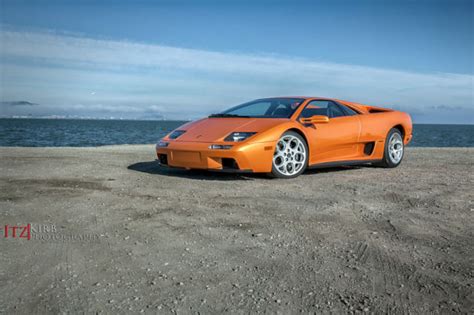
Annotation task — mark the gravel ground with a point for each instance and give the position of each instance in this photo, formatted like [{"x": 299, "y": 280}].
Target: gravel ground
[{"x": 111, "y": 232}]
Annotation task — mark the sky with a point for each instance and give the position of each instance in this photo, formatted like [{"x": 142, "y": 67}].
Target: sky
[{"x": 186, "y": 59}]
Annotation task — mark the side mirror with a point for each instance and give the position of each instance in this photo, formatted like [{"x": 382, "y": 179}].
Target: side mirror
[{"x": 316, "y": 119}]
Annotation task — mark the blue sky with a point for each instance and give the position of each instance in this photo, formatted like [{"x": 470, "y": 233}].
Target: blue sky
[{"x": 184, "y": 59}]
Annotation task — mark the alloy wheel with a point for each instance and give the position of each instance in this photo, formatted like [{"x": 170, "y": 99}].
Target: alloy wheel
[
  {"x": 290, "y": 155},
  {"x": 395, "y": 148}
]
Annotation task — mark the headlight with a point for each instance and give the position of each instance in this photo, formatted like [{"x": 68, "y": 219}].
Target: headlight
[
  {"x": 239, "y": 136},
  {"x": 162, "y": 144},
  {"x": 175, "y": 134}
]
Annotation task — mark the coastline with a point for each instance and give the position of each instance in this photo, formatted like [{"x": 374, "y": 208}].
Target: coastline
[
  {"x": 130, "y": 236},
  {"x": 91, "y": 133}
]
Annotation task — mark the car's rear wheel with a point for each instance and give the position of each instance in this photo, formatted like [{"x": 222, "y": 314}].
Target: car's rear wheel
[
  {"x": 290, "y": 157},
  {"x": 394, "y": 149}
]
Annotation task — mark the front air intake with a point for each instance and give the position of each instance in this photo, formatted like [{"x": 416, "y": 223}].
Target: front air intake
[
  {"x": 163, "y": 158},
  {"x": 228, "y": 163}
]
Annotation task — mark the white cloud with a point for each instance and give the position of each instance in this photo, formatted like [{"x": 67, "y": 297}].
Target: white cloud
[{"x": 61, "y": 70}]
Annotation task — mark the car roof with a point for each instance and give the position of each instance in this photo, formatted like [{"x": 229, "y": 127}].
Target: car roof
[{"x": 302, "y": 97}]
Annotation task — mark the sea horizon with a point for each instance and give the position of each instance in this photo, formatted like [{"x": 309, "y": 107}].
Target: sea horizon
[
  {"x": 63, "y": 132},
  {"x": 175, "y": 120}
]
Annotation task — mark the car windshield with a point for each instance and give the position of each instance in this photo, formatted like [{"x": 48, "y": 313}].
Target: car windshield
[{"x": 264, "y": 108}]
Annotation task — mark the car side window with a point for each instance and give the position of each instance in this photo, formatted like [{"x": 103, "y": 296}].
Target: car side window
[
  {"x": 348, "y": 111},
  {"x": 322, "y": 108},
  {"x": 335, "y": 110}
]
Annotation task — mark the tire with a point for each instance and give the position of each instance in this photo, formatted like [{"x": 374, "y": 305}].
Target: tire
[
  {"x": 290, "y": 158},
  {"x": 394, "y": 149}
]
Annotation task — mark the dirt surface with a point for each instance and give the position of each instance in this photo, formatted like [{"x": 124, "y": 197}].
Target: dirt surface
[{"x": 112, "y": 232}]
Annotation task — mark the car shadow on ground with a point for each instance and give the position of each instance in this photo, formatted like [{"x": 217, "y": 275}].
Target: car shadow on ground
[
  {"x": 334, "y": 169},
  {"x": 152, "y": 167}
]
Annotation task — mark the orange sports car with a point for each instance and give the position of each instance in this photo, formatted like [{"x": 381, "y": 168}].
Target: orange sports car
[{"x": 283, "y": 136}]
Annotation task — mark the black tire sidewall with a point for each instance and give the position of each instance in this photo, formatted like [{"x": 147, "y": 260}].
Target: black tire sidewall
[
  {"x": 387, "y": 162},
  {"x": 275, "y": 173}
]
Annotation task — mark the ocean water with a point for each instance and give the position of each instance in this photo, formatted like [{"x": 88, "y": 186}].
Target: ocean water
[{"x": 85, "y": 133}]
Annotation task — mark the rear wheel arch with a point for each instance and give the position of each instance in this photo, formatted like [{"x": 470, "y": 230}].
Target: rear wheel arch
[{"x": 401, "y": 129}]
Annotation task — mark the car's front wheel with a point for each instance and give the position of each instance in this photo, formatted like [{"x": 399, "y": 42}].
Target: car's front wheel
[{"x": 290, "y": 157}]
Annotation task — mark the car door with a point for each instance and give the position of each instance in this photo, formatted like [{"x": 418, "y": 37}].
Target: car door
[{"x": 335, "y": 140}]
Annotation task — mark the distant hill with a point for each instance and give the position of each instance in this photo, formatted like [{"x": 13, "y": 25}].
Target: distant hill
[{"x": 17, "y": 103}]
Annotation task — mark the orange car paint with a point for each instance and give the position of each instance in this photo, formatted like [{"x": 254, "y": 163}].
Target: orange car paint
[{"x": 340, "y": 139}]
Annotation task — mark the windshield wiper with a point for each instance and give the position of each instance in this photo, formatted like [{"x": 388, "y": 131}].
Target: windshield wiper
[{"x": 226, "y": 115}]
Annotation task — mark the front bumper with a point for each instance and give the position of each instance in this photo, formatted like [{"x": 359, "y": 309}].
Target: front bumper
[{"x": 244, "y": 157}]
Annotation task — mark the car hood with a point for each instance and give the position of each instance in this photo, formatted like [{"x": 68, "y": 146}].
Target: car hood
[{"x": 216, "y": 129}]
